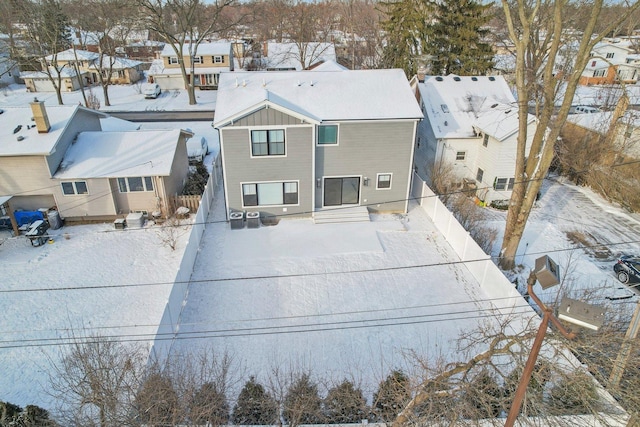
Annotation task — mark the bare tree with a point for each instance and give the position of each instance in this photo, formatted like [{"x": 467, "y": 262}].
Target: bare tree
[
  {"x": 536, "y": 27},
  {"x": 185, "y": 24},
  {"x": 95, "y": 380},
  {"x": 46, "y": 32},
  {"x": 110, "y": 22}
]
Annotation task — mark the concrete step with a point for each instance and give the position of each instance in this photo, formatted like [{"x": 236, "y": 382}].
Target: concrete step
[{"x": 337, "y": 215}]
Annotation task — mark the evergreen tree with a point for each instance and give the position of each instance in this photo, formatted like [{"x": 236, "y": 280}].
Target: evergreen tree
[
  {"x": 157, "y": 401},
  {"x": 392, "y": 396},
  {"x": 302, "y": 404},
  {"x": 457, "y": 38},
  {"x": 209, "y": 406},
  {"x": 405, "y": 29},
  {"x": 254, "y": 406},
  {"x": 345, "y": 404},
  {"x": 8, "y": 413}
]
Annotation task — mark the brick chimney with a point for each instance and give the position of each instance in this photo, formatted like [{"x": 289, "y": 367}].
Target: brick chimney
[{"x": 40, "y": 116}]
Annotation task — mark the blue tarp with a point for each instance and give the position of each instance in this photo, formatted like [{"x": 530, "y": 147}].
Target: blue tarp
[{"x": 27, "y": 217}]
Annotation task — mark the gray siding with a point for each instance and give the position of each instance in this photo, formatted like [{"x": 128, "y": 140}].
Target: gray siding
[
  {"x": 296, "y": 165},
  {"x": 368, "y": 149},
  {"x": 267, "y": 117}
]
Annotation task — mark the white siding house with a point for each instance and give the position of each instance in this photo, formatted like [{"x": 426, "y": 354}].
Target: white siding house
[{"x": 470, "y": 123}]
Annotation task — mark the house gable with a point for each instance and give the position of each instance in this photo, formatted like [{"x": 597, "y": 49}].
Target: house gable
[{"x": 266, "y": 116}]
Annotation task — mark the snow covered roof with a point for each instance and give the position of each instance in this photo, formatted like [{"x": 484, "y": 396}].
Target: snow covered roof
[
  {"x": 330, "y": 65},
  {"x": 33, "y": 143},
  {"x": 147, "y": 43},
  {"x": 283, "y": 56},
  {"x": 66, "y": 72},
  {"x": 219, "y": 48},
  {"x": 111, "y": 124},
  {"x": 501, "y": 121},
  {"x": 71, "y": 55},
  {"x": 120, "y": 154},
  {"x": 118, "y": 63},
  {"x": 597, "y": 122},
  {"x": 318, "y": 95},
  {"x": 457, "y": 104}
]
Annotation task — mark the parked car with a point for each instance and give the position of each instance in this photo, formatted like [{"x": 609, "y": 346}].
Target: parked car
[
  {"x": 151, "y": 90},
  {"x": 627, "y": 269},
  {"x": 197, "y": 148}
]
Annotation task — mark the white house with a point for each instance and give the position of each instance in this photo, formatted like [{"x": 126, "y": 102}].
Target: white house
[{"x": 470, "y": 123}]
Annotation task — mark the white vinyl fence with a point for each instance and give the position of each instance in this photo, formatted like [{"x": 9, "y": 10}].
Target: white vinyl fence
[{"x": 168, "y": 327}]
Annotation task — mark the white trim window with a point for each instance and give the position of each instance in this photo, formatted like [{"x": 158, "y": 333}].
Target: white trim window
[
  {"x": 479, "y": 175},
  {"x": 327, "y": 135},
  {"x": 270, "y": 193},
  {"x": 197, "y": 60},
  {"x": 461, "y": 155},
  {"x": 135, "y": 183},
  {"x": 74, "y": 188},
  {"x": 267, "y": 143},
  {"x": 383, "y": 181},
  {"x": 218, "y": 59},
  {"x": 502, "y": 184},
  {"x": 485, "y": 140},
  {"x": 600, "y": 73},
  {"x": 173, "y": 60}
]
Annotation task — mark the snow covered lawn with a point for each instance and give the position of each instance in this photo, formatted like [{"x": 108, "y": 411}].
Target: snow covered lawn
[{"x": 99, "y": 281}]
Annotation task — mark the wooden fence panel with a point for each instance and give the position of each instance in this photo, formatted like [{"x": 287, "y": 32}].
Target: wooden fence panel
[{"x": 191, "y": 202}]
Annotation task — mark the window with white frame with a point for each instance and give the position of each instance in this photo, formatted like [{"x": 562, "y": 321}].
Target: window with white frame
[
  {"x": 70, "y": 188},
  {"x": 610, "y": 55},
  {"x": 599, "y": 73},
  {"x": 270, "y": 194},
  {"x": 502, "y": 184},
  {"x": 135, "y": 183},
  {"x": 327, "y": 134},
  {"x": 485, "y": 140},
  {"x": 173, "y": 60},
  {"x": 267, "y": 142},
  {"x": 218, "y": 59},
  {"x": 383, "y": 181},
  {"x": 197, "y": 59},
  {"x": 461, "y": 155},
  {"x": 479, "y": 175}
]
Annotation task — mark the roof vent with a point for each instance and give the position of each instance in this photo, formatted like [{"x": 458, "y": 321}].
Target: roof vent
[
  {"x": 475, "y": 79},
  {"x": 299, "y": 83},
  {"x": 311, "y": 83},
  {"x": 17, "y": 129},
  {"x": 439, "y": 79},
  {"x": 446, "y": 123},
  {"x": 507, "y": 112},
  {"x": 20, "y": 138},
  {"x": 456, "y": 78},
  {"x": 494, "y": 105},
  {"x": 492, "y": 79}
]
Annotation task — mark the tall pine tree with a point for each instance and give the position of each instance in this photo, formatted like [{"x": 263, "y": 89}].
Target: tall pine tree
[
  {"x": 458, "y": 38},
  {"x": 405, "y": 29},
  {"x": 255, "y": 406}
]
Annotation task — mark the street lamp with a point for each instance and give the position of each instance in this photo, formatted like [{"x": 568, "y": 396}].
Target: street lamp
[{"x": 547, "y": 272}]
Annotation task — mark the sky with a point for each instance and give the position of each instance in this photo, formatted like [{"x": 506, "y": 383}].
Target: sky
[{"x": 331, "y": 320}]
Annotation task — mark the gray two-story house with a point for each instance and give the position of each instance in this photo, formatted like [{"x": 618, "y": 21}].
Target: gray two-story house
[{"x": 298, "y": 143}]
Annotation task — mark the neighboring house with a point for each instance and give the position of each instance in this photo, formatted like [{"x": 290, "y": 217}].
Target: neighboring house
[
  {"x": 471, "y": 124},
  {"x": 39, "y": 81},
  {"x": 209, "y": 61},
  {"x": 145, "y": 51},
  {"x": 296, "y": 57},
  {"x": 612, "y": 61},
  {"x": 87, "y": 165},
  {"x": 297, "y": 143},
  {"x": 85, "y": 65}
]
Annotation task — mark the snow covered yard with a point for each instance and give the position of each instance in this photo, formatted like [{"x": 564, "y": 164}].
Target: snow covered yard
[
  {"x": 337, "y": 300},
  {"x": 98, "y": 281}
]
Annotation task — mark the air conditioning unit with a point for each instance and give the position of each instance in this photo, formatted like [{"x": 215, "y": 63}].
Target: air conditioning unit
[
  {"x": 236, "y": 220},
  {"x": 135, "y": 219},
  {"x": 253, "y": 219}
]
